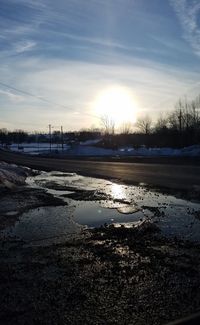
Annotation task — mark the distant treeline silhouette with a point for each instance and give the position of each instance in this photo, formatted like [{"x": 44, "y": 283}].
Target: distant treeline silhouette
[{"x": 178, "y": 128}]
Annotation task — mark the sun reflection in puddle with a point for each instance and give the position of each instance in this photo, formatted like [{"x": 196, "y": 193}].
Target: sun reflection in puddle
[
  {"x": 123, "y": 204},
  {"x": 118, "y": 192}
]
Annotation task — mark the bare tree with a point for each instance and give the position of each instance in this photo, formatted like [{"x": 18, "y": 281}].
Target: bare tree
[
  {"x": 175, "y": 119},
  {"x": 195, "y": 108},
  {"x": 178, "y": 114},
  {"x": 108, "y": 124},
  {"x": 126, "y": 128},
  {"x": 144, "y": 124},
  {"x": 185, "y": 115},
  {"x": 161, "y": 123}
]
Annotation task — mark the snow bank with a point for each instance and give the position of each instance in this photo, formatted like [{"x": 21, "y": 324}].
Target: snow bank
[
  {"x": 12, "y": 175},
  {"x": 87, "y": 149},
  {"x": 81, "y": 150},
  {"x": 192, "y": 151}
]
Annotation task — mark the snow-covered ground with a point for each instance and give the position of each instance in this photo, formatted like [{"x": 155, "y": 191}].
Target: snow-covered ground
[
  {"x": 87, "y": 149},
  {"x": 80, "y": 150},
  {"x": 191, "y": 151},
  {"x": 90, "y": 142},
  {"x": 37, "y": 148}
]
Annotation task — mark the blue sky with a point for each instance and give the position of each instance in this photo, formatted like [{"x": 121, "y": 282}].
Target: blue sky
[{"x": 68, "y": 51}]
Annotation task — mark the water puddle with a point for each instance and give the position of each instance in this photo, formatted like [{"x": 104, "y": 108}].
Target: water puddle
[
  {"x": 49, "y": 224},
  {"x": 94, "y": 202},
  {"x": 85, "y": 211}
]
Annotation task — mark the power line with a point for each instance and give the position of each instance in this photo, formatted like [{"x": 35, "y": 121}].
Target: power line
[
  {"x": 28, "y": 93},
  {"x": 41, "y": 98}
]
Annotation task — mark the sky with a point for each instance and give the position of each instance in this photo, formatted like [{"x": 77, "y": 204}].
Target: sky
[{"x": 58, "y": 57}]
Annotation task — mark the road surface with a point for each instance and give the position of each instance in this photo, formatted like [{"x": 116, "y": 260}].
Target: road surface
[{"x": 162, "y": 175}]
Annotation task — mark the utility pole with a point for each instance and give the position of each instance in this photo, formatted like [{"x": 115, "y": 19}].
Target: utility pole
[
  {"x": 62, "y": 138},
  {"x": 50, "y": 141}
]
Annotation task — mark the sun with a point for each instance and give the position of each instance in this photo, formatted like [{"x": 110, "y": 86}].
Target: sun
[{"x": 118, "y": 104}]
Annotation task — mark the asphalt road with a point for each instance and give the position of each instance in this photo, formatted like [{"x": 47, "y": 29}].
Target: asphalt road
[{"x": 162, "y": 175}]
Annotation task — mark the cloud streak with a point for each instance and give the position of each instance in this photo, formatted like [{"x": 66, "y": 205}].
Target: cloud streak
[
  {"x": 188, "y": 12},
  {"x": 11, "y": 96},
  {"x": 25, "y": 46},
  {"x": 72, "y": 86}
]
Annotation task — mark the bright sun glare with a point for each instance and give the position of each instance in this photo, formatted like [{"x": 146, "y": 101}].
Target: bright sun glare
[{"x": 118, "y": 104}]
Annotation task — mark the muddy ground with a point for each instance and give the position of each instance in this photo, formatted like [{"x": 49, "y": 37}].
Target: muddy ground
[
  {"x": 105, "y": 275},
  {"x": 108, "y": 276}
]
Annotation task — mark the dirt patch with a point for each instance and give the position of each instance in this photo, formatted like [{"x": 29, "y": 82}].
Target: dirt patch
[
  {"x": 155, "y": 210},
  {"x": 190, "y": 195},
  {"x": 197, "y": 214},
  {"x": 109, "y": 276}
]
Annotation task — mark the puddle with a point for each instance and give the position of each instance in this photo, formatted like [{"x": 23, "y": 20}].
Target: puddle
[
  {"x": 49, "y": 224},
  {"x": 94, "y": 215},
  {"x": 93, "y": 202}
]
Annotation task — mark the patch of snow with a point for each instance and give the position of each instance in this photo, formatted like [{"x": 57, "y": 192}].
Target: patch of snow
[
  {"x": 12, "y": 175},
  {"x": 90, "y": 142},
  {"x": 36, "y": 148},
  {"x": 90, "y": 151}
]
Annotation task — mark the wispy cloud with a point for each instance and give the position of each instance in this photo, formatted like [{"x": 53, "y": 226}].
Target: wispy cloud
[
  {"x": 72, "y": 86},
  {"x": 24, "y": 46},
  {"x": 29, "y": 3},
  {"x": 11, "y": 96},
  {"x": 24, "y": 24},
  {"x": 18, "y": 48},
  {"x": 97, "y": 41},
  {"x": 188, "y": 12}
]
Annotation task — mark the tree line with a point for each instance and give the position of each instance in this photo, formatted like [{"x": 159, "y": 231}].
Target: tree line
[
  {"x": 20, "y": 136},
  {"x": 177, "y": 128},
  {"x": 180, "y": 127}
]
